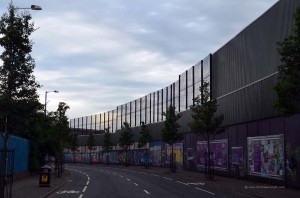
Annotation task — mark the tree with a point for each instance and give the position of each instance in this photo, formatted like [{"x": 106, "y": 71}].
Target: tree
[
  {"x": 145, "y": 137},
  {"x": 18, "y": 88},
  {"x": 287, "y": 86},
  {"x": 126, "y": 140},
  {"x": 61, "y": 134},
  {"x": 170, "y": 132},
  {"x": 107, "y": 144},
  {"x": 205, "y": 123},
  {"x": 74, "y": 144},
  {"x": 91, "y": 144}
]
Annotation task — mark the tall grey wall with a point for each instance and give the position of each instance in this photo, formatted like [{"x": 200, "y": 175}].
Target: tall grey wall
[{"x": 245, "y": 69}]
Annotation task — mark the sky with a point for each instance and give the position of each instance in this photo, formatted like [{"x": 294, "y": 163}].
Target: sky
[{"x": 100, "y": 54}]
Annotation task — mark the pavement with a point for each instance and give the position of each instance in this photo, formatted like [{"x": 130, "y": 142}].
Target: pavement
[{"x": 28, "y": 187}]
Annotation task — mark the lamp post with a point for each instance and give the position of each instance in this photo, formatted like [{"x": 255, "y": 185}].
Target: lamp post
[
  {"x": 6, "y": 161},
  {"x": 46, "y": 92}
]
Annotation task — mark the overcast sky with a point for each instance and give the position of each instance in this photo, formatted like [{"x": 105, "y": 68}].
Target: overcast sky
[{"x": 103, "y": 53}]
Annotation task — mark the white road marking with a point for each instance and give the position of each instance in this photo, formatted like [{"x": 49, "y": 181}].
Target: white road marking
[
  {"x": 167, "y": 178},
  {"x": 128, "y": 179},
  {"x": 136, "y": 184},
  {"x": 182, "y": 183},
  {"x": 114, "y": 173},
  {"x": 146, "y": 192},
  {"x": 141, "y": 172},
  {"x": 205, "y": 191},
  {"x": 67, "y": 192},
  {"x": 154, "y": 175},
  {"x": 121, "y": 176},
  {"x": 84, "y": 189},
  {"x": 196, "y": 184}
]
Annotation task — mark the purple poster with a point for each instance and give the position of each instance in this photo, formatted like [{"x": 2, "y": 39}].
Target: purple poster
[
  {"x": 200, "y": 153},
  {"x": 219, "y": 153}
]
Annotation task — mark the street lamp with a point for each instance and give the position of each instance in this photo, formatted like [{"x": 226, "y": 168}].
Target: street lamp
[
  {"x": 55, "y": 91},
  {"x": 32, "y": 7}
]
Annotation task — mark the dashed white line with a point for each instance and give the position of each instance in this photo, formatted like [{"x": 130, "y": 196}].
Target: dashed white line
[
  {"x": 80, "y": 196},
  {"x": 205, "y": 191},
  {"x": 128, "y": 179},
  {"x": 154, "y": 175},
  {"x": 182, "y": 183},
  {"x": 167, "y": 178},
  {"x": 143, "y": 173},
  {"x": 121, "y": 176},
  {"x": 87, "y": 183},
  {"x": 135, "y": 184},
  {"x": 146, "y": 192},
  {"x": 84, "y": 189}
]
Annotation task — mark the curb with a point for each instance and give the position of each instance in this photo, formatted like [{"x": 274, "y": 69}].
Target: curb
[{"x": 59, "y": 186}]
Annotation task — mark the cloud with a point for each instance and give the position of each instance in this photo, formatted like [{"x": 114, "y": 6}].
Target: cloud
[{"x": 101, "y": 53}]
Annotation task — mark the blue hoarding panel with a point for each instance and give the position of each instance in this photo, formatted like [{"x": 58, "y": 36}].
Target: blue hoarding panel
[{"x": 21, "y": 147}]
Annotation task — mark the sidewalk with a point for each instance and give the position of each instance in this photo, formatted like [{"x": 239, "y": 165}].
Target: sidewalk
[
  {"x": 28, "y": 187},
  {"x": 240, "y": 187}
]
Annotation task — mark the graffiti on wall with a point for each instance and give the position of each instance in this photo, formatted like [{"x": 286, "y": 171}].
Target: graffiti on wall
[
  {"x": 266, "y": 156},
  {"x": 155, "y": 153},
  {"x": 177, "y": 151},
  {"x": 237, "y": 155}
]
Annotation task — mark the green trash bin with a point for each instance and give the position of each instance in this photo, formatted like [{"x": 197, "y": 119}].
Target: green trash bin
[{"x": 45, "y": 175}]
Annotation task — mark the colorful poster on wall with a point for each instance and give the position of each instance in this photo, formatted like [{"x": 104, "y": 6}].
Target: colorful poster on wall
[
  {"x": 219, "y": 154},
  {"x": 155, "y": 153},
  {"x": 177, "y": 151},
  {"x": 237, "y": 155},
  {"x": 266, "y": 156},
  {"x": 94, "y": 157}
]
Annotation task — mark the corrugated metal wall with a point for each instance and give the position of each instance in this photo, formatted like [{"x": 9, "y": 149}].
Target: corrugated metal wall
[
  {"x": 244, "y": 70},
  {"x": 21, "y": 147}
]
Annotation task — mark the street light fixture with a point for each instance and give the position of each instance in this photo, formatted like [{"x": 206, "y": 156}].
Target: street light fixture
[
  {"x": 46, "y": 92},
  {"x": 32, "y": 7}
]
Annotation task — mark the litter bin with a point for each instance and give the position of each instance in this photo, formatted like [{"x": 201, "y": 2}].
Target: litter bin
[{"x": 45, "y": 174}]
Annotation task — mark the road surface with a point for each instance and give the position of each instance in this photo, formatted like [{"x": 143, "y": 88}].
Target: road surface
[{"x": 92, "y": 181}]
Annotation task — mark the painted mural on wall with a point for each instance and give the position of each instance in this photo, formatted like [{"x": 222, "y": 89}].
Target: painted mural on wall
[
  {"x": 237, "y": 155},
  {"x": 266, "y": 156},
  {"x": 177, "y": 151},
  {"x": 219, "y": 154},
  {"x": 155, "y": 153}
]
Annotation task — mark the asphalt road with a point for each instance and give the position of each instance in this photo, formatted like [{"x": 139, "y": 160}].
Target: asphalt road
[{"x": 114, "y": 182}]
